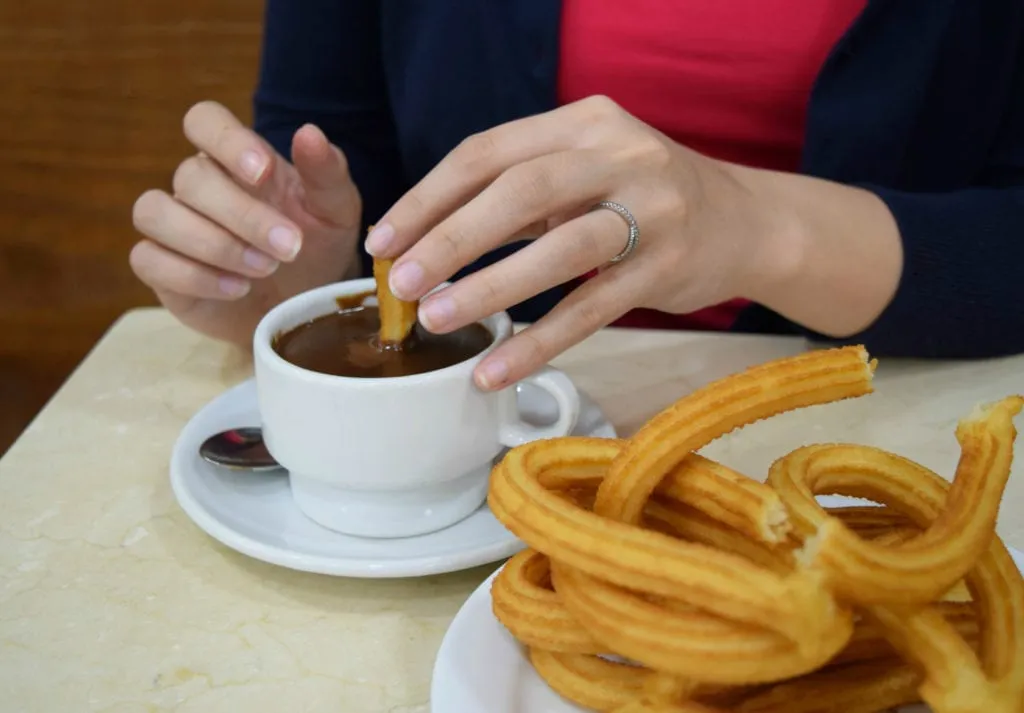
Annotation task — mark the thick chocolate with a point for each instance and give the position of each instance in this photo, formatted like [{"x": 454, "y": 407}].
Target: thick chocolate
[{"x": 346, "y": 343}]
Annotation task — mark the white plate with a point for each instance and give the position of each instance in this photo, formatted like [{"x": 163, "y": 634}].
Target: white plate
[
  {"x": 254, "y": 514},
  {"x": 481, "y": 667}
]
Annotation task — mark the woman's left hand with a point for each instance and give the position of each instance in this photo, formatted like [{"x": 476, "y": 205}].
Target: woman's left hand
[{"x": 705, "y": 235}]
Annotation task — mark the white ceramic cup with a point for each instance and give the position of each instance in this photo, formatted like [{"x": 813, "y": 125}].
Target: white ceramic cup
[{"x": 389, "y": 457}]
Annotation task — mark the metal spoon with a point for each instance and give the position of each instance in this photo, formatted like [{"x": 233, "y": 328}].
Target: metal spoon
[
  {"x": 243, "y": 449},
  {"x": 239, "y": 449}
]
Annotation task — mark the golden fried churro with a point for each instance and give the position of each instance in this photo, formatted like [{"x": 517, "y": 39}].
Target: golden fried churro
[
  {"x": 397, "y": 317},
  {"x": 924, "y": 567},
  {"x": 870, "y": 522},
  {"x": 641, "y": 705},
  {"x": 870, "y": 641},
  {"x": 713, "y": 489},
  {"x": 727, "y": 595},
  {"x": 525, "y": 603},
  {"x": 860, "y": 688},
  {"x": 687, "y": 641},
  {"x": 688, "y": 523},
  {"x": 758, "y": 602},
  {"x": 728, "y": 497},
  {"x": 590, "y": 681},
  {"x": 958, "y": 522},
  {"x": 708, "y": 413}
]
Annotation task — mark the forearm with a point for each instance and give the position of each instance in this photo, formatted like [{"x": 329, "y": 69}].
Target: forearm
[
  {"x": 927, "y": 275},
  {"x": 832, "y": 254}
]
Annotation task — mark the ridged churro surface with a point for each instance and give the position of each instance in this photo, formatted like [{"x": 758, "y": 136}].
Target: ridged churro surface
[
  {"x": 397, "y": 318},
  {"x": 659, "y": 581}
]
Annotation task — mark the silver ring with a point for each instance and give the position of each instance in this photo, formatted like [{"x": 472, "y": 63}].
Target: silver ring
[{"x": 634, "y": 230}]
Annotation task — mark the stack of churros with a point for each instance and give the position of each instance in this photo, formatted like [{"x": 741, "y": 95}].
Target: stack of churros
[{"x": 657, "y": 580}]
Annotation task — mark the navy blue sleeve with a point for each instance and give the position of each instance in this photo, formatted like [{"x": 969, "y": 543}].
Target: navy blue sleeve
[
  {"x": 321, "y": 64},
  {"x": 960, "y": 293}
]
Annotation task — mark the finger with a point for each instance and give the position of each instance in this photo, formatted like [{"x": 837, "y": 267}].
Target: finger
[
  {"x": 179, "y": 228},
  {"x": 215, "y": 131},
  {"x": 203, "y": 185},
  {"x": 325, "y": 178},
  {"x": 166, "y": 271},
  {"x": 595, "y": 304},
  {"x": 472, "y": 165},
  {"x": 522, "y": 195},
  {"x": 570, "y": 250}
]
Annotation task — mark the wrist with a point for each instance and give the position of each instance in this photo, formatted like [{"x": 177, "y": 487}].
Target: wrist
[
  {"x": 825, "y": 255},
  {"x": 776, "y": 253}
]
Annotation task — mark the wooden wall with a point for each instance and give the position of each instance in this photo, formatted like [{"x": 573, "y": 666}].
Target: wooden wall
[{"x": 93, "y": 92}]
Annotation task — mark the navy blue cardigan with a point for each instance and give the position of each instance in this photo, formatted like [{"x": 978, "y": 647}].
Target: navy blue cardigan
[{"x": 922, "y": 102}]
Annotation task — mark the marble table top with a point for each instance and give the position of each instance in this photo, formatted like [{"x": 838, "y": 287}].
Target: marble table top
[{"x": 112, "y": 600}]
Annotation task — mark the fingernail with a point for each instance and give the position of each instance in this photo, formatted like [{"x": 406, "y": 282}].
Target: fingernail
[
  {"x": 253, "y": 165},
  {"x": 234, "y": 287},
  {"x": 406, "y": 280},
  {"x": 379, "y": 239},
  {"x": 285, "y": 241},
  {"x": 437, "y": 312},
  {"x": 492, "y": 374},
  {"x": 261, "y": 262}
]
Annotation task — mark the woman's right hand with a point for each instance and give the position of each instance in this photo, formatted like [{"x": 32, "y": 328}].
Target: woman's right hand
[{"x": 245, "y": 229}]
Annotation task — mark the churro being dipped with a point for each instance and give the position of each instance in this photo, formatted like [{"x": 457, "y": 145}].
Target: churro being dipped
[{"x": 397, "y": 317}]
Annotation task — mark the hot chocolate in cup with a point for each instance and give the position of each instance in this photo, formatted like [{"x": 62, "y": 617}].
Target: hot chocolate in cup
[{"x": 376, "y": 455}]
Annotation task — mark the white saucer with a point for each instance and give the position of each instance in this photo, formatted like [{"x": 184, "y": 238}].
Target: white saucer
[
  {"x": 254, "y": 514},
  {"x": 480, "y": 667}
]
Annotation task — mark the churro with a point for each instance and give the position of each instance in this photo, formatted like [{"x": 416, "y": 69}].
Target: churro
[
  {"x": 708, "y": 413},
  {"x": 721, "y": 594},
  {"x": 397, "y": 317}
]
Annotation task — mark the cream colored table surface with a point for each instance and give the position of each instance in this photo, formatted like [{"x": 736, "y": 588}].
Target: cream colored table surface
[{"x": 111, "y": 600}]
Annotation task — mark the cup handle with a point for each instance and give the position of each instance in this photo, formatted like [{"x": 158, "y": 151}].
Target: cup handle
[{"x": 564, "y": 392}]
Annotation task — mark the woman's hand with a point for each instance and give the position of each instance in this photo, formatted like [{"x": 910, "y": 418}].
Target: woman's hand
[
  {"x": 709, "y": 232},
  {"x": 244, "y": 228}
]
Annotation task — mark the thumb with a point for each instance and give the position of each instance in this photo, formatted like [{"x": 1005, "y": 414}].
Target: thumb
[{"x": 328, "y": 192}]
